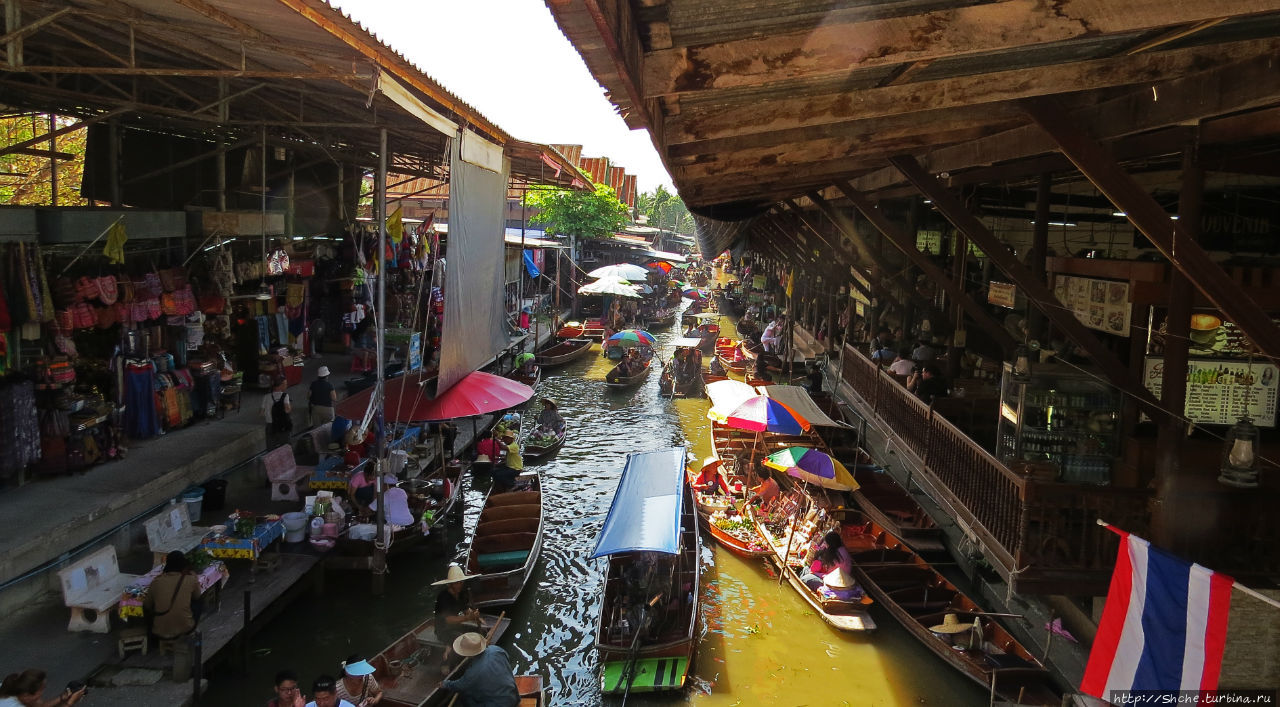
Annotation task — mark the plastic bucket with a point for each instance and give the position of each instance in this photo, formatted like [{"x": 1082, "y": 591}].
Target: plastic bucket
[
  {"x": 194, "y": 498},
  {"x": 215, "y": 494},
  {"x": 295, "y": 526}
]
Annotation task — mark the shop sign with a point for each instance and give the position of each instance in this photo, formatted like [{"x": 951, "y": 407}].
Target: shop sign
[
  {"x": 929, "y": 242},
  {"x": 1098, "y": 304},
  {"x": 415, "y": 351},
  {"x": 758, "y": 282},
  {"x": 1217, "y": 390},
  {"x": 1002, "y": 294}
]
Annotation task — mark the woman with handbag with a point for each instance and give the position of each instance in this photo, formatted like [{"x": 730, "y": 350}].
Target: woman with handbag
[{"x": 170, "y": 606}]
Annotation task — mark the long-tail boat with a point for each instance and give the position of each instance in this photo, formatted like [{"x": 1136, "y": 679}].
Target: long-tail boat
[{"x": 506, "y": 543}]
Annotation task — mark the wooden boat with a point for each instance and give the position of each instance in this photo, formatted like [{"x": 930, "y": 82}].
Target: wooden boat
[
  {"x": 529, "y": 379},
  {"x": 671, "y": 384},
  {"x": 920, "y": 597},
  {"x": 506, "y": 543},
  {"x": 532, "y": 691},
  {"x": 563, "y": 352},
  {"x": 615, "y": 379},
  {"x": 648, "y": 627},
  {"x": 538, "y": 451},
  {"x": 439, "y": 493},
  {"x": 789, "y": 538},
  {"x": 731, "y": 356},
  {"x": 661, "y": 318},
  {"x": 408, "y": 670},
  {"x": 590, "y": 329},
  {"x": 893, "y": 508},
  {"x": 734, "y": 532}
]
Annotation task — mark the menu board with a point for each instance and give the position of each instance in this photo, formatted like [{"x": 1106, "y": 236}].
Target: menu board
[
  {"x": 1002, "y": 294},
  {"x": 1098, "y": 304},
  {"x": 1217, "y": 390}
]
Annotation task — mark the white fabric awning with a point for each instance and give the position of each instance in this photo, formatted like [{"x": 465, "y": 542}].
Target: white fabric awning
[{"x": 797, "y": 398}]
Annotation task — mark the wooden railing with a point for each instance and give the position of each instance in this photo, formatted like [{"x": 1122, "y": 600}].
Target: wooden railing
[{"x": 1033, "y": 533}]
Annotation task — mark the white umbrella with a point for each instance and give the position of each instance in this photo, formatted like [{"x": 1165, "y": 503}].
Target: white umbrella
[
  {"x": 625, "y": 271},
  {"x": 609, "y": 286},
  {"x": 726, "y": 396}
]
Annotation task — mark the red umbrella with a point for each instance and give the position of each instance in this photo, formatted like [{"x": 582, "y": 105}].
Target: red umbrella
[{"x": 406, "y": 401}]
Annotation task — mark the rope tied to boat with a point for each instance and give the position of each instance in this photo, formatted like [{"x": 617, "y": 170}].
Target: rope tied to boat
[{"x": 1013, "y": 577}]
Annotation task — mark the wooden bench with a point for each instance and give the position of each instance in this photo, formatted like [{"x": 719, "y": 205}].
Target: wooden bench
[
  {"x": 91, "y": 587},
  {"x": 171, "y": 530},
  {"x": 285, "y": 475}
]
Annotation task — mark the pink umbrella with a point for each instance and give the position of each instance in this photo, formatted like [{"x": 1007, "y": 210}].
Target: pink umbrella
[{"x": 406, "y": 401}]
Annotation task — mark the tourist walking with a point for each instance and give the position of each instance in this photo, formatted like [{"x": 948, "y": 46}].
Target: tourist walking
[
  {"x": 277, "y": 413},
  {"x": 323, "y": 396}
]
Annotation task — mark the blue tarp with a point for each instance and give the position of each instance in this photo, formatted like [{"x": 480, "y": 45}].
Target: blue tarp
[
  {"x": 645, "y": 514},
  {"x": 529, "y": 265}
]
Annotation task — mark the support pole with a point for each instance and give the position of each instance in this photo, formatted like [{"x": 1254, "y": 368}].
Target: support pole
[
  {"x": 53, "y": 160},
  {"x": 1170, "y": 527},
  {"x": 113, "y": 162},
  {"x": 380, "y": 213},
  {"x": 1036, "y": 322}
]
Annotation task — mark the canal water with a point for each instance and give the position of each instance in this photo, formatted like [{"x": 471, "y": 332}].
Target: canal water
[{"x": 761, "y": 644}]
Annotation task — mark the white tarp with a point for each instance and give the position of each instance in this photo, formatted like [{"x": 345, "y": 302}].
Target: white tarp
[
  {"x": 474, "y": 329},
  {"x": 797, "y": 398}
]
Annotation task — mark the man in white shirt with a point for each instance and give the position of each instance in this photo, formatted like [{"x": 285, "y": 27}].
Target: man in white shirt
[
  {"x": 773, "y": 334},
  {"x": 901, "y": 366}
]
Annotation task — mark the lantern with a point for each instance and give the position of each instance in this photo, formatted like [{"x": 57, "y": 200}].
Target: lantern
[
  {"x": 1022, "y": 364},
  {"x": 1240, "y": 456}
]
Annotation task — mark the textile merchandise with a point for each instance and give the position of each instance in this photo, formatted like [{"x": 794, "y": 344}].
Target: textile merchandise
[
  {"x": 19, "y": 427},
  {"x": 140, "y": 417},
  {"x": 1164, "y": 626}
]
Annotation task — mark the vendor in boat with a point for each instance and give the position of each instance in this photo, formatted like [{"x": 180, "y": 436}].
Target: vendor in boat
[
  {"x": 455, "y": 613},
  {"x": 504, "y": 476},
  {"x": 767, "y": 492},
  {"x": 716, "y": 368},
  {"x": 549, "y": 419},
  {"x": 362, "y": 488},
  {"x": 489, "y": 681},
  {"x": 840, "y": 585},
  {"x": 828, "y": 556},
  {"x": 488, "y": 451},
  {"x": 357, "y": 685},
  {"x": 709, "y": 479}
]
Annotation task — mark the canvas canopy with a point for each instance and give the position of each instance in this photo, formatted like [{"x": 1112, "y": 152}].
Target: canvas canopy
[
  {"x": 798, "y": 399},
  {"x": 645, "y": 513}
]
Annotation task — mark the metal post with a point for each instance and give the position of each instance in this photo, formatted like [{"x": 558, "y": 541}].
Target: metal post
[
  {"x": 53, "y": 160},
  {"x": 380, "y": 213},
  {"x": 113, "y": 160}
]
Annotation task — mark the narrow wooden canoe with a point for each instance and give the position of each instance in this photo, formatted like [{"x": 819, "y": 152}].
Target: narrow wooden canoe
[
  {"x": 440, "y": 492},
  {"x": 563, "y": 352},
  {"x": 920, "y": 597},
  {"x": 669, "y": 386},
  {"x": 614, "y": 380},
  {"x": 851, "y": 616},
  {"x": 895, "y": 509},
  {"x": 408, "y": 670},
  {"x": 718, "y": 517},
  {"x": 535, "y": 452},
  {"x": 529, "y": 379},
  {"x": 660, "y": 660},
  {"x": 731, "y": 356},
  {"x": 661, "y": 319},
  {"x": 507, "y": 540}
]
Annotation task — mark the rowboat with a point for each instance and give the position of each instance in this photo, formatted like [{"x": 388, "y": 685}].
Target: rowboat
[
  {"x": 615, "y": 379},
  {"x": 408, "y": 670},
  {"x": 435, "y": 498},
  {"x": 893, "y": 508},
  {"x": 734, "y": 532},
  {"x": 528, "y": 378},
  {"x": 920, "y": 597},
  {"x": 661, "y": 318},
  {"x": 506, "y": 543},
  {"x": 789, "y": 537},
  {"x": 535, "y": 451},
  {"x": 649, "y": 621},
  {"x": 682, "y": 381},
  {"x": 730, "y": 354},
  {"x": 563, "y": 352}
]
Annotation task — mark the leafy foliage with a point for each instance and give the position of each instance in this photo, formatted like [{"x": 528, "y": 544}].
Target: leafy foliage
[
  {"x": 665, "y": 210},
  {"x": 562, "y": 212},
  {"x": 27, "y": 179}
]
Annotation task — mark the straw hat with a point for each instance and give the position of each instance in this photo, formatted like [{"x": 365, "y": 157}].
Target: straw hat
[
  {"x": 456, "y": 574},
  {"x": 839, "y": 579},
  {"x": 469, "y": 644},
  {"x": 950, "y": 624}
]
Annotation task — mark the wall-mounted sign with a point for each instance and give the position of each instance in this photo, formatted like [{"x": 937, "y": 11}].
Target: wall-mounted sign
[
  {"x": 1002, "y": 294},
  {"x": 758, "y": 282},
  {"x": 929, "y": 242},
  {"x": 1218, "y": 390},
  {"x": 1098, "y": 304}
]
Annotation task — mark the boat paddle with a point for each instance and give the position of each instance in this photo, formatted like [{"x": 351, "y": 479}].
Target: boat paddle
[
  {"x": 488, "y": 637},
  {"x": 635, "y": 647}
]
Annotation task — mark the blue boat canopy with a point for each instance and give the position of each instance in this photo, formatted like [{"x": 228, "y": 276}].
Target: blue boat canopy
[{"x": 645, "y": 514}]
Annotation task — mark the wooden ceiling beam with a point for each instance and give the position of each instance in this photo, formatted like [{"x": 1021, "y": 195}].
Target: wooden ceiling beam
[
  {"x": 1149, "y": 217},
  {"x": 839, "y": 45},
  {"x": 732, "y": 120},
  {"x": 1200, "y": 96}
]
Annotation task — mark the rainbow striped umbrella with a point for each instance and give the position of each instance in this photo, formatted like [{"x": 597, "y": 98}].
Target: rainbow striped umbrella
[
  {"x": 764, "y": 414},
  {"x": 813, "y": 466},
  {"x": 695, "y": 293},
  {"x": 632, "y": 337}
]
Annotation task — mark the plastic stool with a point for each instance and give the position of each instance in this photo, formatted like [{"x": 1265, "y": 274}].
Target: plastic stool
[{"x": 132, "y": 639}]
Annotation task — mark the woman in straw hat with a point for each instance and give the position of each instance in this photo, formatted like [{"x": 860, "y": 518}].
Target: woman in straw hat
[
  {"x": 488, "y": 680},
  {"x": 839, "y": 584},
  {"x": 357, "y": 684},
  {"x": 829, "y": 555},
  {"x": 455, "y": 613}
]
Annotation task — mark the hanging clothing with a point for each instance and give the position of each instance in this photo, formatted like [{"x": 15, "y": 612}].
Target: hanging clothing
[
  {"x": 264, "y": 335},
  {"x": 140, "y": 419},
  {"x": 19, "y": 427}
]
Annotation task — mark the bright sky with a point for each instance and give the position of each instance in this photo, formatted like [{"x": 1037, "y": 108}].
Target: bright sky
[{"x": 509, "y": 60}]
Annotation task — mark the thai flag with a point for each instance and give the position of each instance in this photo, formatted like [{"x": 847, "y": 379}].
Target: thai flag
[{"x": 1163, "y": 627}]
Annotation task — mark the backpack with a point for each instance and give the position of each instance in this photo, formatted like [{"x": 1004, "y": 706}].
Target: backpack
[{"x": 281, "y": 420}]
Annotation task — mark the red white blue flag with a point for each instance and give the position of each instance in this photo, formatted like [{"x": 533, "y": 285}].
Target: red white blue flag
[{"x": 1164, "y": 625}]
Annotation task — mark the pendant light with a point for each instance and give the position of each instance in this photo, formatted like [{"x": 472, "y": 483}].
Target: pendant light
[{"x": 1240, "y": 455}]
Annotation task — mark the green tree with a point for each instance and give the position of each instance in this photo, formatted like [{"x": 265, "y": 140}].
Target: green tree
[
  {"x": 562, "y": 212},
  {"x": 665, "y": 210},
  {"x": 27, "y": 179}
]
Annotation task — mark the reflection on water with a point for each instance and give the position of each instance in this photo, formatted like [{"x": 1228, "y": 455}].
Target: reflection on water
[{"x": 761, "y": 643}]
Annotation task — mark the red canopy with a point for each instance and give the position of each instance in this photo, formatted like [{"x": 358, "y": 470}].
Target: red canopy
[{"x": 406, "y": 400}]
